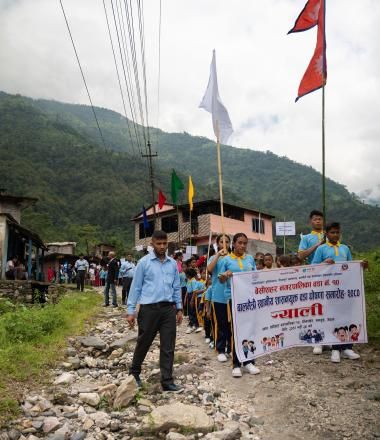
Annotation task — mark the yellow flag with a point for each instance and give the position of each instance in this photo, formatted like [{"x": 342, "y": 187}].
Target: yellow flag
[{"x": 191, "y": 193}]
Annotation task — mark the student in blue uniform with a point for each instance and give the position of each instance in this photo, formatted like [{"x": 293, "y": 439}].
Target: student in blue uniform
[
  {"x": 222, "y": 328},
  {"x": 183, "y": 282},
  {"x": 192, "y": 289},
  {"x": 332, "y": 252},
  {"x": 309, "y": 244},
  {"x": 237, "y": 261}
]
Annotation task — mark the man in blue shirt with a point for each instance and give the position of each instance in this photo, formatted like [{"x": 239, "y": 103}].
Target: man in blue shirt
[
  {"x": 126, "y": 274},
  {"x": 156, "y": 287},
  {"x": 81, "y": 266}
]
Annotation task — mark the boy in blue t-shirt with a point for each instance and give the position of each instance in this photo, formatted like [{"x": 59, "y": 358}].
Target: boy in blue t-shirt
[
  {"x": 310, "y": 242},
  {"x": 332, "y": 252}
]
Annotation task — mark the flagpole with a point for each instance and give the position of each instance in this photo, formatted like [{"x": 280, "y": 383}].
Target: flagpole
[
  {"x": 323, "y": 118},
  {"x": 220, "y": 184},
  {"x": 190, "y": 228},
  {"x": 179, "y": 235}
]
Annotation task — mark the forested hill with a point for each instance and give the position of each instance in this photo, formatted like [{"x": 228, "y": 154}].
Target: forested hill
[{"x": 52, "y": 151}]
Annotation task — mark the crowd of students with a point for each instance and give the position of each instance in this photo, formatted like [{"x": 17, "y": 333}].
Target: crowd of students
[{"x": 206, "y": 285}]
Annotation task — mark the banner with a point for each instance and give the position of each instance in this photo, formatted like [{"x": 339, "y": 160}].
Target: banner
[
  {"x": 285, "y": 228},
  {"x": 298, "y": 306}
]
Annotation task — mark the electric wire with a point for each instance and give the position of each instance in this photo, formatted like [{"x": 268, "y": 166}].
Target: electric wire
[
  {"x": 159, "y": 71},
  {"x": 119, "y": 81},
  {"x": 130, "y": 98},
  {"x": 83, "y": 77}
]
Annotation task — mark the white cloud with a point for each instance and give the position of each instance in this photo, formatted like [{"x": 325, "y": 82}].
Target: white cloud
[{"x": 259, "y": 70}]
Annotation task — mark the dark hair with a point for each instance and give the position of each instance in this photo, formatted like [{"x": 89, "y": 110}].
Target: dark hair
[
  {"x": 284, "y": 260},
  {"x": 340, "y": 328},
  {"x": 219, "y": 236},
  {"x": 177, "y": 254},
  {"x": 352, "y": 326},
  {"x": 192, "y": 273},
  {"x": 81, "y": 256},
  {"x": 244, "y": 340},
  {"x": 315, "y": 212},
  {"x": 294, "y": 260},
  {"x": 259, "y": 253},
  {"x": 211, "y": 251},
  {"x": 238, "y": 235},
  {"x": 159, "y": 235},
  {"x": 333, "y": 225},
  {"x": 268, "y": 255}
]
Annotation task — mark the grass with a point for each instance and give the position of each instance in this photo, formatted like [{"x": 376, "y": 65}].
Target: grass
[
  {"x": 32, "y": 341},
  {"x": 372, "y": 292}
]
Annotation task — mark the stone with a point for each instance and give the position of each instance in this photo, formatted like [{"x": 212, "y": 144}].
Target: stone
[
  {"x": 50, "y": 424},
  {"x": 91, "y": 362},
  {"x": 122, "y": 342},
  {"x": 93, "y": 341},
  {"x": 88, "y": 423},
  {"x": 101, "y": 419},
  {"x": 254, "y": 421},
  {"x": 108, "y": 391},
  {"x": 14, "y": 434},
  {"x": 74, "y": 362},
  {"x": 177, "y": 415},
  {"x": 175, "y": 436},
  {"x": 78, "y": 436},
  {"x": 115, "y": 425},
  {"x": 116, "y": 354},
  {"x": 125, "y": 393},
  {"x": 91, "y": 399},
  {"x": 64, "y": 379}
]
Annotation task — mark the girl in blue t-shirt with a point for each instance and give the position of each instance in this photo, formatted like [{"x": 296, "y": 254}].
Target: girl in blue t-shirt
[
  {"x": 217, "y": 299},
  {"x": 237, "y": 261}
]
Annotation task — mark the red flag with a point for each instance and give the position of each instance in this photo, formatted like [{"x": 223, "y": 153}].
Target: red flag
[
  {"x": 316, "y": 73},
  {"x": 161, "y": 199},
  {"x": 308, "y": 17}
]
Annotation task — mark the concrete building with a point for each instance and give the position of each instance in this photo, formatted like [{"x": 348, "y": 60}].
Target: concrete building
[
  {"x": 206, "y": 220},
  {"x": 16, "y": 240}
]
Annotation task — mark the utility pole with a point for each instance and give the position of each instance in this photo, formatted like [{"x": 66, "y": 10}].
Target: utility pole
[{"x": 151, "y": 177}]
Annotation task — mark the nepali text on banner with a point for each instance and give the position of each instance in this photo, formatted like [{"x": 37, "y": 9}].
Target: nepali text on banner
[{"x": 298, "y": 306}]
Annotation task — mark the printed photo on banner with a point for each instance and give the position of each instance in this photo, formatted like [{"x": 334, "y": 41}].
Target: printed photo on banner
[{"x": 274, "y": 310}]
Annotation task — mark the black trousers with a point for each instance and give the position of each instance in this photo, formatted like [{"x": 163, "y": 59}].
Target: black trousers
[
  {"x": 153, "y": 318},
  {"x": 80, "y": 279},
  {"x": 223, "y": 328},
  {"x": 125, "y": 291}
]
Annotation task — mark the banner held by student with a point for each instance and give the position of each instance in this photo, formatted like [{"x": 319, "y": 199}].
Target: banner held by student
[{"x": 298, "y": 306}]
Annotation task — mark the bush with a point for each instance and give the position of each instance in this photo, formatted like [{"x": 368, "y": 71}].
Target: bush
[{"x": 27, "y": 325}]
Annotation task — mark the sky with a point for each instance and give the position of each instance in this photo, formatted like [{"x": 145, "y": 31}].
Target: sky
[{"x": 259, "y": 69}]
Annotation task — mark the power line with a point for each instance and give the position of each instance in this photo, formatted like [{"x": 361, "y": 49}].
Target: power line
[
  {"x": 129, "y": 89},
  {"x": 159, "y": 70},
  {"x": 83, "y": 77},
  {"x": 118, "y": 78}
]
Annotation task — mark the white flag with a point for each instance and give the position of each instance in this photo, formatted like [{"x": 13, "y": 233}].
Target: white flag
[{"x": 212, "y": 103}]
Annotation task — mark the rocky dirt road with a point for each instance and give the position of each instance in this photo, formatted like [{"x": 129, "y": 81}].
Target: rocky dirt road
[{"x": 296, "y": 396}]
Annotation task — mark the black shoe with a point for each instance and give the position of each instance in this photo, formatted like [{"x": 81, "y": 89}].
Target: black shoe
[
  {"x": 115, "y": 305},
  {"x": 173, "y": 388},
  {"x": 105, "y": 305},
  {"x": 138, "y": 380}
]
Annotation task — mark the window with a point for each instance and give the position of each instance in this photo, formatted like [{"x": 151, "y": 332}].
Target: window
[
  {"x": 258, "y": 226},
  {"x": 146, "y": 232},
  {"x": 169, "y": 224}
]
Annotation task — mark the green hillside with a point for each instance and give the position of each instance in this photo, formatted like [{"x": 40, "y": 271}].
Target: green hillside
[{"x": 52, "y": 151}]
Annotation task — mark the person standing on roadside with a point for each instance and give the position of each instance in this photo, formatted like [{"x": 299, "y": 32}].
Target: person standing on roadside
[
  {"x": 156, "y": 287},
  {"x": 81, "y": 267},
  {"x": 126, "y": 272},
  {"x": 111, "y": 280}
]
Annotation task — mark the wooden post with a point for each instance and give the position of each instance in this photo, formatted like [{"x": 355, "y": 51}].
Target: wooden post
[
  {"x": 220, "y": 179},
  {"x": 190, "y": 228},
  {"x": 30, "y": 247}
]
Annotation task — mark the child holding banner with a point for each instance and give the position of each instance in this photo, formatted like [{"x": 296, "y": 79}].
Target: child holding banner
[
  {"x": 237, "y": 261},
  {"x": 192, "y": 289},
  {"x": 332, "y": 252},
  {"x": 222, "y": 330},
  {"x": 309, "y": 244}
]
